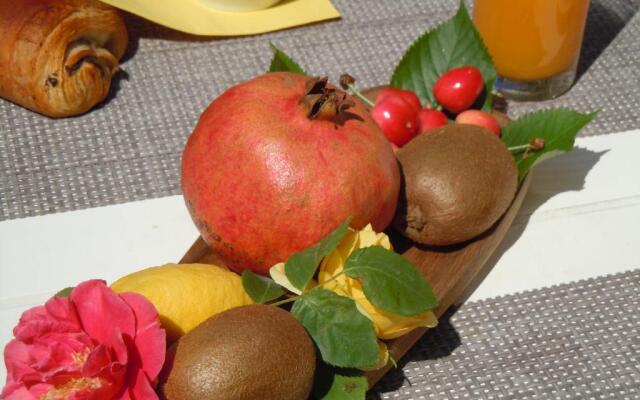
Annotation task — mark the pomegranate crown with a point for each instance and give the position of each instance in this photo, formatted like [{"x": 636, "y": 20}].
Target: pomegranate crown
[{"x": 325, "y": 102}]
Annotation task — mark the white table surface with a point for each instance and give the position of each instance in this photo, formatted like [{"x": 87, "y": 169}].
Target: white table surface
[{"x": 579, "y": 220}]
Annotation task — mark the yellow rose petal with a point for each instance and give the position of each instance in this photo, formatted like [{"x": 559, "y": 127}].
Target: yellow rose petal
[
  {"x": 367, "y": 237},
  {"x": 278, "y": 275},
  {"x": 383, "y": 241}
]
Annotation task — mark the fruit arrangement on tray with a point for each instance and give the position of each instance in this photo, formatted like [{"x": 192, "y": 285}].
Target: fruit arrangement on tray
[{"x": 292, "y": 182}]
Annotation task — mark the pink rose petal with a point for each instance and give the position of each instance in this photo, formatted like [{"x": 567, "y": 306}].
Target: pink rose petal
[
  {"x": 149, "y": 334},
  {"x": 61, "y": 309},
  {"x": 97, "y": 361},
  {"x": 17, "y": 392},
  {"x": 17, "y": 359},
  {"x": 38, "y": 320},
  {"x": 102, "y": 311},
  {"x": 140, "y": 388},
  {"x": 125, "y": 396},
  {"x": 120, "y": 347},
  {"x": 58, "y": 351}
]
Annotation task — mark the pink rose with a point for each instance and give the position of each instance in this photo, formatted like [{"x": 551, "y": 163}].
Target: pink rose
[{"x": 94, "y": 344}]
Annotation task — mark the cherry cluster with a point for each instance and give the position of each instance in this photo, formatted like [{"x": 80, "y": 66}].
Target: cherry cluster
[{"x": 401, "y": 116}]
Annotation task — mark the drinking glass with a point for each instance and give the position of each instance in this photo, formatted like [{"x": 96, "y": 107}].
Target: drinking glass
[{"x": 535, "y": 44}]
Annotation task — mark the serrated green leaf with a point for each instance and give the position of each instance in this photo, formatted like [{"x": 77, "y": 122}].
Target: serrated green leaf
[
  {"x": 390, "y": 281},
  {"x": 283, "y": 62},
  {"x": 301, "y": 266},
  {"x": 260, "y": 289},
  {"x": 487, "y": 102},
  {"x": 66, "y": 292},
  {"x": 454, "y": 43},
  {"x": 331, "y": 384},
  {"x": 344, "y": 336},
  {"x": 558, "y": 127}
]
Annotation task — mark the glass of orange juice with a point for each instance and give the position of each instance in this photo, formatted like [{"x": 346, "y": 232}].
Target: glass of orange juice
[{"x": 535, "y": 44}]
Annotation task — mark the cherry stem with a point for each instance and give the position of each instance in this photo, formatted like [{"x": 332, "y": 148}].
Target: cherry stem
[
  {"x": 534, "y": 145},
  {"x": 359, "y": 95},
  {"x": 517, "y": 149}
]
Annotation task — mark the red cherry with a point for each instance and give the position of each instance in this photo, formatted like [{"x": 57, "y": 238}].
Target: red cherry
[
  {"x": 457, "y": 89},
  {"x": 477, "y": 117},
  {"x": 397, "y": 119},
  {"x": 406, "y": 95},
  {"x": 430, "y": 118}
]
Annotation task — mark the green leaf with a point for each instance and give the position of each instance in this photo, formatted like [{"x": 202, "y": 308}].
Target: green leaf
[
  {"x": 282, "y": 62},
  {"x": 344, "y": 336},
  {"x": 454, "y": 43},
  {"x": 487, "y": 102},
  {"x": 66, "y": 292},
  {"x": 301, "y": 266},
  {"x": 330, "y": 384},
  {"x": 558, "y": 127},
  {"x": 390, "y": 281},
  {"x": 259, "y": 288}
]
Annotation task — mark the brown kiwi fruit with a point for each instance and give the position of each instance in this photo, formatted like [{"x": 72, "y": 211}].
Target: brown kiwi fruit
[
  {"x": 250, "y": 352},
  {"x": 458, "y": 180}
]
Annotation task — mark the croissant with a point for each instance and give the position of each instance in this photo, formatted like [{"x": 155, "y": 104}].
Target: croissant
[{"x": 57, "y": 57}]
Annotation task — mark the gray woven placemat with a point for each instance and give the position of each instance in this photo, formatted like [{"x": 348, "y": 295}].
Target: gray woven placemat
[
  {"x": 573, "y": 341},
  {"x": 129, "y": 149}
]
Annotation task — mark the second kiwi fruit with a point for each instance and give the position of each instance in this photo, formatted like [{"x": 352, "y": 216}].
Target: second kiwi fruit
[
  {"x": 245, "y": 353},
  {"x": 458, "y": 180}
]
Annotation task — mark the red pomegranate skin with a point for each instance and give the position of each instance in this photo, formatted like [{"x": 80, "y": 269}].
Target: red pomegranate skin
[{"x": 263, "y": 181}]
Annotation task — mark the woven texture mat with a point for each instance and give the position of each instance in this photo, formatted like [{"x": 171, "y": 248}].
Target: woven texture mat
[
  {"x": 129, "y": 148},
  {"x": 573, "y": 341}
]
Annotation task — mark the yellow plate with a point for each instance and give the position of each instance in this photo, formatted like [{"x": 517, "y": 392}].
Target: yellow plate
[{"x": 196, "y": 17}]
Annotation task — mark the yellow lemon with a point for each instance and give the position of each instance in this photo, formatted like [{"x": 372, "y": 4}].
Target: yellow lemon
[{"x": 186, "y": 295}]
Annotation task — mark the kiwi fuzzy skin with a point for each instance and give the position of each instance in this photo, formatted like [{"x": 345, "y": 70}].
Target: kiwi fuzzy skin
[
  {"x": 458, "y": 180},
  {"x": 245, "y": 353}
]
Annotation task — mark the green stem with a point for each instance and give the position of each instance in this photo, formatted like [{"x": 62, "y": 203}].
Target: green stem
[
  {"x": 519, "y": 148},
  {"x": 359, "y": 95},
  {"x": 333, "y": 278},
  {"x": 285, "y": 301}
]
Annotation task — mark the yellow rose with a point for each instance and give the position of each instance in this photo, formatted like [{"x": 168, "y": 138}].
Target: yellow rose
[{"x": 387, "y": 325}]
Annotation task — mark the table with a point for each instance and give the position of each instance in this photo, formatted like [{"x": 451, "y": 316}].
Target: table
[{"x": 98, "y": 196}]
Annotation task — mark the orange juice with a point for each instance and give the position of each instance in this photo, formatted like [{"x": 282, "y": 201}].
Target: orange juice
[{"x": 532, "y": 39}]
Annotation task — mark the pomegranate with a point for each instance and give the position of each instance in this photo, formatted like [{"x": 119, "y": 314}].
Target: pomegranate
[{"x": 278, "y": 162}]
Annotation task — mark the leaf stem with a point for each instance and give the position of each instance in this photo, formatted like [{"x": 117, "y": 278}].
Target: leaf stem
[
  {"x": 333, "y": 278},
  {"x": 285, "y": 301}
]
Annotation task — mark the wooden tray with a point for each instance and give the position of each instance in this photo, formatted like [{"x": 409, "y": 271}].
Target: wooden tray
[{"x": 453, "y": 271}]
